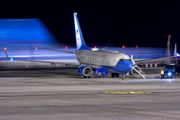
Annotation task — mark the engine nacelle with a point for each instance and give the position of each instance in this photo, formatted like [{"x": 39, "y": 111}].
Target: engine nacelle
[
  {"x": 85, "y": 71},
  {"x": 133, "y": 72}
]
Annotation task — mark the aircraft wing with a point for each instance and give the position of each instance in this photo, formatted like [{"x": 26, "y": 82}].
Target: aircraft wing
[
  {"x": 52, "y": 63},
  {"x": 58, "y": 50},
  {"x": 149, "y": 60}
]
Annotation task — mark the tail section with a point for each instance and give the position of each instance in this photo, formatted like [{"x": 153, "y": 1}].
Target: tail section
[{"x": 80, "y": 44}]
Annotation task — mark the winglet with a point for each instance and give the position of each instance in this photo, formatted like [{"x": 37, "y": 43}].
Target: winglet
[{"x": 6, "y": 53}]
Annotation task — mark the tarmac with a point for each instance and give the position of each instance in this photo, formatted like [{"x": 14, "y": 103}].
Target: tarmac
[{"x": 61, "y": 94}]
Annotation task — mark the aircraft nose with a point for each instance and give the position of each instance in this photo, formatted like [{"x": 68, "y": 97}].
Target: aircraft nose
[{"x": 129, "y": 66}]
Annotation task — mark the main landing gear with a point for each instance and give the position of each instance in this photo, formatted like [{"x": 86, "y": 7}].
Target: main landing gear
[
  {"x": 114, "y": 74},
  {"x": 86, "y": 76},
  {"x": 123, "y": 77},
  {"x": 117, "y": 75}
]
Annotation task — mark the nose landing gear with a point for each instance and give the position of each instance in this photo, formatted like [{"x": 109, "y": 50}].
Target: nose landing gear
[
  {"x": 117, "y": 75},
  {"x": 114, "y": 74},
  {"x": 123, "y": 77}
]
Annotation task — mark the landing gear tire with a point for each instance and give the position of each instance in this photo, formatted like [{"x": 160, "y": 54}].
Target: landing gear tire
[
  {"x": 123, "y": 77},
  {"x": 117, "y": 74},
  {"x": 113, "y": 74},
  {"x": 86, "y": 76}
]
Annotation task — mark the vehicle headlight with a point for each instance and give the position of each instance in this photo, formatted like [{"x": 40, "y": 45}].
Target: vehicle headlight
[{"x": 169, "y": 73}]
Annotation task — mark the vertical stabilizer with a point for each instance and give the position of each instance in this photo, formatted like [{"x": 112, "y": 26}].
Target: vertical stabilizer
[{"x": 80, "y": 44}]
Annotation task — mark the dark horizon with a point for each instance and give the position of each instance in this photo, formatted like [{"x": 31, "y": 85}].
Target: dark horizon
[{"x": 146, "y": 24}]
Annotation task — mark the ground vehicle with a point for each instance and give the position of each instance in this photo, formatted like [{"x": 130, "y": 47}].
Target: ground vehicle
[{"x": 171, "y": 71}]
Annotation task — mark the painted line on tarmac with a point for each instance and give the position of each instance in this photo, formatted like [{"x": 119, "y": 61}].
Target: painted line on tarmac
[{"x": 128, "y": 92}]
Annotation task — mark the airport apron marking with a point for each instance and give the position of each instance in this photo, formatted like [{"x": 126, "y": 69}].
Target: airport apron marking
[{"x": 128, "y": 92}]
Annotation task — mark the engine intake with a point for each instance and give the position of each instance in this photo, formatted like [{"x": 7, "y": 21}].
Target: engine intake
[{"x": 85, "y": 71}]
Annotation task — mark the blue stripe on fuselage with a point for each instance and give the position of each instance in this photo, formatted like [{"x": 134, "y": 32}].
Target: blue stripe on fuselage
[{"x": 124, "y": 66}]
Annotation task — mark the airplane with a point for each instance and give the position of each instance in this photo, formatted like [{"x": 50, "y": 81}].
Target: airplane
[{"x": 93, "y": 59}]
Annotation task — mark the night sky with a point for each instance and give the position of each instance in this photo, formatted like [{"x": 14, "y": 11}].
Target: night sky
[{"x": 142, "y": 23}]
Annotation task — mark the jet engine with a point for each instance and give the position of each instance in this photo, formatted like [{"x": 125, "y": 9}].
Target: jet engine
[
  {"x": 85, "y": 71},
  {"x": 133, "y": 72}
]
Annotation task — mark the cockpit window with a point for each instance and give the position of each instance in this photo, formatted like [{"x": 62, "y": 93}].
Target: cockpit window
[
  {"x": 124, "y": 60},
  {"x": 120, "y": 60}
]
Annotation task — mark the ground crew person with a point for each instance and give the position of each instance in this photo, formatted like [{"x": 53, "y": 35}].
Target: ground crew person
[{"x": 162, "y": 72}]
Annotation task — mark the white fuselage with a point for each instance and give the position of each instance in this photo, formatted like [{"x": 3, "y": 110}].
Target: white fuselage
[{"x": 100, "y": 58}]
